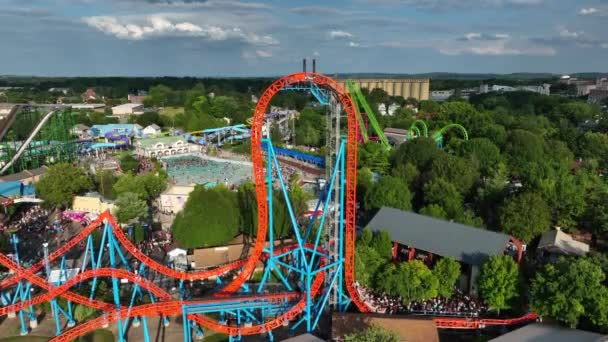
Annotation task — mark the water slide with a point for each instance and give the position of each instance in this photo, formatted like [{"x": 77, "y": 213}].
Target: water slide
[
  {"x": 27, "y": 142},
  {"x": 7, "y": 122}
]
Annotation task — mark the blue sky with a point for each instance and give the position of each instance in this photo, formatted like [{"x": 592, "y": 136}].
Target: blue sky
[{"x": 269, "y": 38}]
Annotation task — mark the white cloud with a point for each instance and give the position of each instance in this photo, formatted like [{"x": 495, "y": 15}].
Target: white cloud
[
  {"x": 464, "y": 4},
  {"x": 565, "y": 33},
  {"x": 337, "y": 34},
  {"x": 353, "y": 44},
  {"x": 588, "y": 11},
  {"x": 316, "y": 54},
  {"x": 473, "y": 43},
  {"x": 604, "y": 46},
  {"x": 263, "y": 53},
  {"x": 134, "y": 28}
]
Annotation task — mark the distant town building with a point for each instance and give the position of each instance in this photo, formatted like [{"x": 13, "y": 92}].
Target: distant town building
[
  {"x": 64, "y": 91},
  {"x": 152, "y": 129},
  {"x": 164, "y": 146},
  {"x": 583, "y": 87},
  {"x": 391, "y": 109},
  {"x": 502, "y": 88},
  {"x": 89, "y": 96},
  {"x": 128, "y": 109},
  {"x": 97, "y": 107},
  {"x": 138, "y": 97},
  {"x": 597, "y": 95},
  {"x": 415, "y": 88},
  {"x": 441, "y": 95}
]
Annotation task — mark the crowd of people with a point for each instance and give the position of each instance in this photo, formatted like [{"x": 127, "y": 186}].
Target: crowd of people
[
  {"x": 32, "y": 220},
  {"x": 145, "y": 165},
  {"x": 459, "y": 304}
]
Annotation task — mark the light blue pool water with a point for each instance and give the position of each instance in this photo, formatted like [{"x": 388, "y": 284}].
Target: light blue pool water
[{"x": 188, "y": 169}]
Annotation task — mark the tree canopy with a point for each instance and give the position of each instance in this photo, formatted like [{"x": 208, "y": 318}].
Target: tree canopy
[
  {"x": 210, "y": 218},
  {"x": 570, "y": 289},
  {"x": 498, "y": 281},
  {"x": 58, "y": 186}
]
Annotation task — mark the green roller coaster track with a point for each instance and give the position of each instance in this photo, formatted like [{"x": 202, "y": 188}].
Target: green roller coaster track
[
  {"x": 438, "y": 136},
  {"x": 358, "y": 97},
  {"x": 415, "y": 129},
  {"x": 54, "y": 142}
]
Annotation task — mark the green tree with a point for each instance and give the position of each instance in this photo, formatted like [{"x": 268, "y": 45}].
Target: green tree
[
  {"x": 445, "y": 195},
  {"x": 275, "y": 134},
  {"x": 406, "y": 172},
  {"x": 383, "y": 244},
  {"x": 209, "y": 218},
  {"x": 58, "y": 186},
  {"x": 569, "y": 289},
  {"x": 83, "y": 312},
  {"x": 373, "y": 333},
  {"x": 129, "y": 183},
  {"x": 374, "y": 156},
  {"x": 455, "y": 170},
  {"x": 366, "y": 238},
  {"x": 525, "y": 216},
  {"x": 128, "y": 163},
  {"x": 248, "y": 208},
  {"x": 390, "y": 192},
  {"x": 105, "y": 181},
  {"x": 498, "y": 281},
  {"x": 524, "y": 148},
  {"x": 483, "y": 152},
  {"x": 367, "y": 264},
  {"x": 447, "y": 271},
  {"x": 130, "y": 206},
  {"x": 416, "y": 281},
  {"x": 421, "y": 152},
  {"x": 595, "y": 146},
  {"x": 434, "y": 210},
  {"x": 365, "y": 182}
]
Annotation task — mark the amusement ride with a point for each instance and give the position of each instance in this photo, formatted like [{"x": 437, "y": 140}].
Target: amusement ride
[{"x": 315, "y": 273}]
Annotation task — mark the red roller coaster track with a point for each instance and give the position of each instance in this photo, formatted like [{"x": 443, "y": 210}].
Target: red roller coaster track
[{"x": 167, "y": 305}]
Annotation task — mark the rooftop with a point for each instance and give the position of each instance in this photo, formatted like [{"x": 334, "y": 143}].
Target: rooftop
[
  {"x": 149, "y": 142},
  {"x": 560, "y": 242},
  {"x": 549, "y": 332},
  {"x": 467, "y": 244},
  {"x": 128, "y": 106}
]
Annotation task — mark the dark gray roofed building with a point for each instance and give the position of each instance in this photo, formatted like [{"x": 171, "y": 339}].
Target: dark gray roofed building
[
  {"x": 469, "y": 245},
  {"x": 538, "y": 332},
  {"x": 429, "y": 236}
]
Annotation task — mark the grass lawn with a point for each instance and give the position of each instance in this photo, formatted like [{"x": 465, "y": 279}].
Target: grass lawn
[{"x": 171, "y": 111}]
